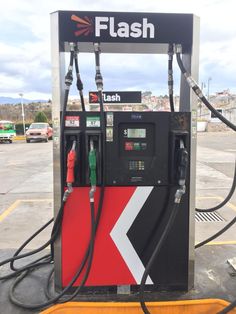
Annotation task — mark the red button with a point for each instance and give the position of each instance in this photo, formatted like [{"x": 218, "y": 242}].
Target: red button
[{"x": 129, "y": 146}]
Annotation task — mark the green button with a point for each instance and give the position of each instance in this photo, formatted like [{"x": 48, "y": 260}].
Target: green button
[{"x": 137, "y": 146}]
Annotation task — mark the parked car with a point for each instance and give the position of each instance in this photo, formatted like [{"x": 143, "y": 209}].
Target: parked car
[
  {"x": 39, "y": 131},
  {"x": 7, "y": 131}
]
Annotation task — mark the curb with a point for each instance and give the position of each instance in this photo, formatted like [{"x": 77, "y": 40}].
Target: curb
[{"x": 19, "y": 137}]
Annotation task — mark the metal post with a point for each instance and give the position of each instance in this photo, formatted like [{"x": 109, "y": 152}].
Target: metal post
[
  {"x": 22, "y": 111},
  {"x": 58, "y": 89},
  {"x": 188, "y": 102}
]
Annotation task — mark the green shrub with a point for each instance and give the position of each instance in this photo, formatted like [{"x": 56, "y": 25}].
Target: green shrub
[{"x": 40, "y": 117}]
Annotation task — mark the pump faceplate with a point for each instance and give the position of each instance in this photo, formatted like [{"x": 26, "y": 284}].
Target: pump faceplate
[{"x": 140, "y": 178}]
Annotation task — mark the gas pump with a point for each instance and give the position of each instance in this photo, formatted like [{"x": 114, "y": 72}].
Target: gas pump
[{"x": 138, "y": 169}]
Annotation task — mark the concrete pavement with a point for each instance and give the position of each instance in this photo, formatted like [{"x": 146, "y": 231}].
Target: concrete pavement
[{"x": 25, "y": 191}]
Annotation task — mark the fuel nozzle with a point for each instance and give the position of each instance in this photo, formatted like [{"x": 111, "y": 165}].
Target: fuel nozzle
[
  {"x": 99, "y": 81},
  {"x": 79, "y": 82},
  {"x": 69, "y": 74},
  {"x": 92, "y": 168},
  {"x": 98, "y": 76},
  {"x": 182, "y": 165},
  {"x": 70, "y": 177}
]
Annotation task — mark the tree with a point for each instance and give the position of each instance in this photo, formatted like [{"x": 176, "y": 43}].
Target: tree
[{"x": 40, "y": 117}]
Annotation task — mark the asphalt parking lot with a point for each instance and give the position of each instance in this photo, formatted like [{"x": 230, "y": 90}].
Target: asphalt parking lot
[{"x": 26, "y": 189}]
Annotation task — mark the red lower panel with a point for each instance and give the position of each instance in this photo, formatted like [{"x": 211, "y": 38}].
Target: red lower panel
[{"x": 108, "y": 267}]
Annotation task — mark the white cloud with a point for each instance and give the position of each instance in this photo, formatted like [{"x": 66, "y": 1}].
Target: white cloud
[
  {"x": 25, "y": 64},
  {"x": 11, "y": 83}
]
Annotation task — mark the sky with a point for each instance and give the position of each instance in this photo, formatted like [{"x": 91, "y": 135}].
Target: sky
[{"x": 25, "y": 57}]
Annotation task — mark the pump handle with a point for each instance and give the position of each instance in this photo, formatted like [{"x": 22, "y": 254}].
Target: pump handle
[
  {"x": 182, "y": 166},
  {"x": 70, "y": 178}
]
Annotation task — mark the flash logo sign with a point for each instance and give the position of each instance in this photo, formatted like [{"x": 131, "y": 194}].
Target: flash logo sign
[
  {"x": 116, "y": 29},
  {"x": 123, "y": 29}
]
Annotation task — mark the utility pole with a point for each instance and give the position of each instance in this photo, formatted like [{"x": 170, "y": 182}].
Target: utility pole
[{"x": 22, "y": 111}]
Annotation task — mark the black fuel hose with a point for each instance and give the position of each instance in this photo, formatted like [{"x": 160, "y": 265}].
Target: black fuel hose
[
  {"x": 200, "y": 95},
  {"x": 16, "y": 256},
  {"x": 33, "y": 264},
  {"x": 225, "y": 201},
  {"x": 79, "y": 82},
  {"x": 170, "y": 77},
  {"x": 228, "y": 308},
  {"x": 68, "y": 82},
  {"x": 57, "y": 228},
  {"x": 98, "y": 75},
  {"x": 90, "y": 256},
  {"x": 216, "y": 235},
  {"x": 180, "y": 191},
  {"x": 85, "y": 258},
  {"x": 99, "y": 83},
  {"x": 54, "y": 233},
  {"x": 18, "y": 303},
  {"x": 89, "y": 253},
  {"x": 154, "y": 256}
]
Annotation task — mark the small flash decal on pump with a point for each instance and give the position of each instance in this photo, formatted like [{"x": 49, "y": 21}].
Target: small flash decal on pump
[
  {"x": 109, "y": 134},
  {"x": 110, "y": 119}
]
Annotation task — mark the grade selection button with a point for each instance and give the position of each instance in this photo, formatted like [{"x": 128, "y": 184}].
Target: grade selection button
[{"x": 129, "y": 146}]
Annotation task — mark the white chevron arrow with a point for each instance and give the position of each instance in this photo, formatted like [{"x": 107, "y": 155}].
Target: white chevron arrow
[{"x": 123, "y": 224}]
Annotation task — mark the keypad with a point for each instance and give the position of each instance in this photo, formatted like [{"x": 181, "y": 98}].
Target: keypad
[{"x": 136, "y": 165}]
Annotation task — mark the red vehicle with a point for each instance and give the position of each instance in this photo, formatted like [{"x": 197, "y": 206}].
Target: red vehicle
[{"x": 39, "y": 131}]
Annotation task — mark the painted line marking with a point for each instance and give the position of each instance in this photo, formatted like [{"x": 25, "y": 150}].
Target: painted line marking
[
  {"x": 37, "y": 200},
  {"x": 206, "y": 197},
  {"x": 230, "y": 205},
  {"x": 13, "y": 206},
  {"x": 221, "y": 243},
  {"x": 9, "y": 210}
]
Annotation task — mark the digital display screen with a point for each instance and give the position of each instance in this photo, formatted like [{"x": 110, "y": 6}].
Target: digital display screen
[{"x": 136, "y": 133}]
